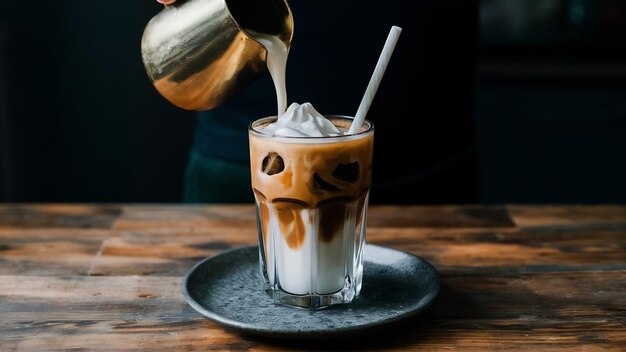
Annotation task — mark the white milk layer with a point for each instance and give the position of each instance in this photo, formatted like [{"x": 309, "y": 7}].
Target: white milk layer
[{"x": 316, "y": 266}]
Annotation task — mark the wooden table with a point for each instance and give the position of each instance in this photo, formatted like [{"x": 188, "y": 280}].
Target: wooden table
[{"x": 108, "y": 277}]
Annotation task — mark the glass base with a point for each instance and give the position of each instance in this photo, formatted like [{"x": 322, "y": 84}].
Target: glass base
[{"x": 316, "y": 301}]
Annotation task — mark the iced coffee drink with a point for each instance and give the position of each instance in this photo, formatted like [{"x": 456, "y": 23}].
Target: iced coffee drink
[{"x": 311, "y": 182}]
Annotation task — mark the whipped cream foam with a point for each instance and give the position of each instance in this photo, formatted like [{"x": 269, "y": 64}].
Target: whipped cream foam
[{"x": 301, "y": 121}]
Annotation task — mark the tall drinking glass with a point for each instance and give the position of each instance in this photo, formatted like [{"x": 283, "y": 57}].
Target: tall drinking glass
[{"x": 311, "y": 198}]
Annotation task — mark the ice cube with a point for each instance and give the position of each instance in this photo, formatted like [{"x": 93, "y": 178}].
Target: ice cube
[
  {"x": 322, "y": 185},
  {"x": 273, "y": 164},
  {"x": 347, "y": 172}
]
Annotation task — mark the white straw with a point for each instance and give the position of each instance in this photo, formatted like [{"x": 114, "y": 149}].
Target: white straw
[{"x": 372, "y": 87}]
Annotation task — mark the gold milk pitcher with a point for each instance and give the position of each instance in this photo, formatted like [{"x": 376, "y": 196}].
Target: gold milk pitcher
[{"x": 198, "y": 53}]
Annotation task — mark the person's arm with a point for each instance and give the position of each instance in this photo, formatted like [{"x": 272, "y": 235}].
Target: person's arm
[{"x": 166, "y": 2}]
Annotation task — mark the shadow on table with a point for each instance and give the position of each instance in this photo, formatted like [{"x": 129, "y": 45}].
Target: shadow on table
[{"x": 429, "y": 325}]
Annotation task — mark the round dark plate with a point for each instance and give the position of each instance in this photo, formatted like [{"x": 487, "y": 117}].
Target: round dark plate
[{"x": 228, "y": 290}]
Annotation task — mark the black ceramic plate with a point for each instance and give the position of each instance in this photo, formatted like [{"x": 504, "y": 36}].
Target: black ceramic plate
[{"x": 228, "y": 290}]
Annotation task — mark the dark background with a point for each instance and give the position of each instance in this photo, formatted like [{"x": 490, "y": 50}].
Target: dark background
[
  {"x": 551, "y": 101},
  {"x": 501, "y": 101}
]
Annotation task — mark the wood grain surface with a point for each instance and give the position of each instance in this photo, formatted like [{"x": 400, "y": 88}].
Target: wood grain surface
[{"x": 514, "y": 278}]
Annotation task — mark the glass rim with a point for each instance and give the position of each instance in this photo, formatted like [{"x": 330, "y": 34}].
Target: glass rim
[{"x": 369, "y": 129}]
